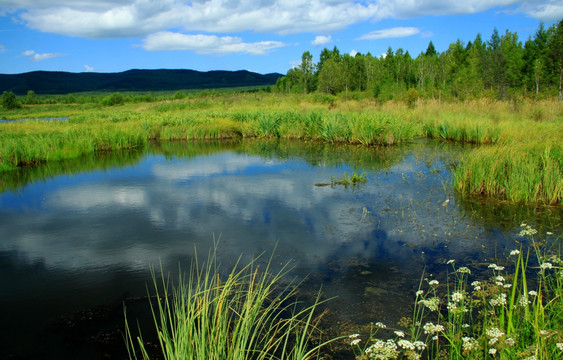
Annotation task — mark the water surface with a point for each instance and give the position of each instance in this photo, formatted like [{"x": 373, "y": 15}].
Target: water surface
[{"x": 77, "y": 238}]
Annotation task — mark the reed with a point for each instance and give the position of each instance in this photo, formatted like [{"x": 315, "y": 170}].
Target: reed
[{"x": 246, "y": 314}]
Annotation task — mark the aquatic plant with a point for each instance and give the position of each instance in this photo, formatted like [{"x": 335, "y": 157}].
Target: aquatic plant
[
  {"x": 245, "y": 314},
  {"x": 346, "y": 180},
  {"x": 508, "y": 314}
]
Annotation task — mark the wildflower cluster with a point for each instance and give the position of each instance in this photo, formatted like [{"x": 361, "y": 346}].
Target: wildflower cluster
[
  {"x": 390, "y": 348},
  {"x": 500, "y": 316}
]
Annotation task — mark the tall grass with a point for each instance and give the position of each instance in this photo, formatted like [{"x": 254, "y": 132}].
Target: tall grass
[
  {"x": 512, "y": 311},
  {"x": 522, "y": 162},
  {"x": 245, "y": 314}
]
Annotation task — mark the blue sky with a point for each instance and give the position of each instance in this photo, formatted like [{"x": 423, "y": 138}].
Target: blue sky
[{"x": 261, "y": 35}]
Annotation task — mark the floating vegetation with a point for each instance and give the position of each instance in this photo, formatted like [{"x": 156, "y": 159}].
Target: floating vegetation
[{"x": 346, "y": 180}]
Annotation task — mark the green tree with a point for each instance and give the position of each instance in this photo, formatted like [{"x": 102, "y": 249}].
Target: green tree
[
  {"x": 330, "y": 77},
  {"x": 307, "y": 68},
  {"x": 10, "y": 101},
  {"x": 555, "y": 51},
  {"x": 31, "y": 98}
]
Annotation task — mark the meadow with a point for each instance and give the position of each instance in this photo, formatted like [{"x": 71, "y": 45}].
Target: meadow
[{"x": 519, "y": 158}]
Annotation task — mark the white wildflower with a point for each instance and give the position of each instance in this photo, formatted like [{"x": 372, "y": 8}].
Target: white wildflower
[
  {"x": 464, "y": 270},
  {"x": 559, "y": 346},
  {"x": 507, "y": 286},
  {"x": 379, "y": 324},
  {"x": 382, "y": 350},
  {"x": 465, "y": 326},
  {"x": 533, "y": 357},
  {"x": 546, "y": 265},
  {"x": 431, "y": 303},
  {"x": 355, "y": 342},
  {"x": 419, "y": 293},
  {"x": 492, "y": 351},
  {"x": 433, "y": 282},
  {"x": 549, "y": 233},
  {"x": 523, "y": 301},
  {"x": 493, "y": 341},
  {"x": 532, "y": 293},
  {"x": 469, "y": 343},
  {"x": 430, "y": 328},
  {"x": 509, "y": 342},
  {"x": 543, "y": 333},
  {"x": 452, "y": 306},
  {"x": 405, "y": 344},
  {"x": 451, "y": 261},
  {"x": 419, "y": 345},
  {"x": 514, "y": 252},
  {"x": 399, "y": 333},
  {"x": 528, "y": 230},
  {"x": 499, "y": 300},
  {"x": 494, "y": 333},
  {"x": 353, "y": 336},
  {"x": 457, "y": 296}
]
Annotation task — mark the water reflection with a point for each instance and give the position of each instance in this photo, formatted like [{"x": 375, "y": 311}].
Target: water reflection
[{"x": 69, "y": 242}]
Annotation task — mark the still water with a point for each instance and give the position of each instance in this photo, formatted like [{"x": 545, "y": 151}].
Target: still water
[{"x": 77, "y": 238}]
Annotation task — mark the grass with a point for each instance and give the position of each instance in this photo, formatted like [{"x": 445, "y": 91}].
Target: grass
[
  {"x": 520, "y": 157},
  {"x": 513, "y": 311},
  {"x": 244, "y": 314}
]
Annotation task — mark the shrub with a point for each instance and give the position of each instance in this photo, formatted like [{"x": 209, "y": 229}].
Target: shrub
[
  {"x": 113, "y": 99},
  {"x": 10, "y": 101}
]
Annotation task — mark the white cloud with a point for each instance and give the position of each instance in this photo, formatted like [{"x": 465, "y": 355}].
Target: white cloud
[
  {"x": 207, "y": 44},
  {"x": 39, "y": 57},
  {"x": 353, "y": 53},
  {"x": 134, "y": 18},
  {"x": 2, "y": 48},
  {"x": 395, "y": 32},
  {"x": 88, "y": 68},
  {"x": 321, "y": 40}
]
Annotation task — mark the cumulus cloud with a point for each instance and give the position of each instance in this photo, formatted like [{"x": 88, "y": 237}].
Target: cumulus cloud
[
  {"x": 207, "y": 44},
  {"x": 321, "y": 40},
  {"x": 33, "y": 56},
  {"x": 134, "y": 18},
  {"x": 88, "y": 68},
  {"x": 395, "y": 32}
]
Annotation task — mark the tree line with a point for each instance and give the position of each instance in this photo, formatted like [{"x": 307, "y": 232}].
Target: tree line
[{"x": 502, "y": 67}]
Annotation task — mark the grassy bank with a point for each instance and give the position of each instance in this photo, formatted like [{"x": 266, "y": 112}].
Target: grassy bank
[{"x": 521, "y": 159}]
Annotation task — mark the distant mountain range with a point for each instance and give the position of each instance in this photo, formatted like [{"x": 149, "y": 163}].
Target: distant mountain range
[{"x": 58, "y": 82}]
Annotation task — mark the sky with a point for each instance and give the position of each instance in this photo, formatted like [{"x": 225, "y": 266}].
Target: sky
[{"x": 263, "y": 36}]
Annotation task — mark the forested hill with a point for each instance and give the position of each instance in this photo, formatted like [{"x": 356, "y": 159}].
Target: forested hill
[{"x": 54, "y": 82}]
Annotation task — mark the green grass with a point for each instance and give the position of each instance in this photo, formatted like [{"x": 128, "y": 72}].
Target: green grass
[
  {"x": 520, "y": 158},
  {"x": 244, "y": 314}
]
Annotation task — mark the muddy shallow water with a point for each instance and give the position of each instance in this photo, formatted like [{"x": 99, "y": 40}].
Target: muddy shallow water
[{"x": 77, "y": 238}]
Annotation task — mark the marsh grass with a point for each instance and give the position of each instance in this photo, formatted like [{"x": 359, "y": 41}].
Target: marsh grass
[
  {"x": 509, "y": 311},
  {"x": 245, "y": 314},
  {"x": 520, "y": 162}
]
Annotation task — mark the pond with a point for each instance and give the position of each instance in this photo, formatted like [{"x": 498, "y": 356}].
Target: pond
[{"x": 77, "y": 238}]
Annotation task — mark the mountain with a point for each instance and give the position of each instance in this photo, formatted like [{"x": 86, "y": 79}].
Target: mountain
[{"x": 58, "y": 82}]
